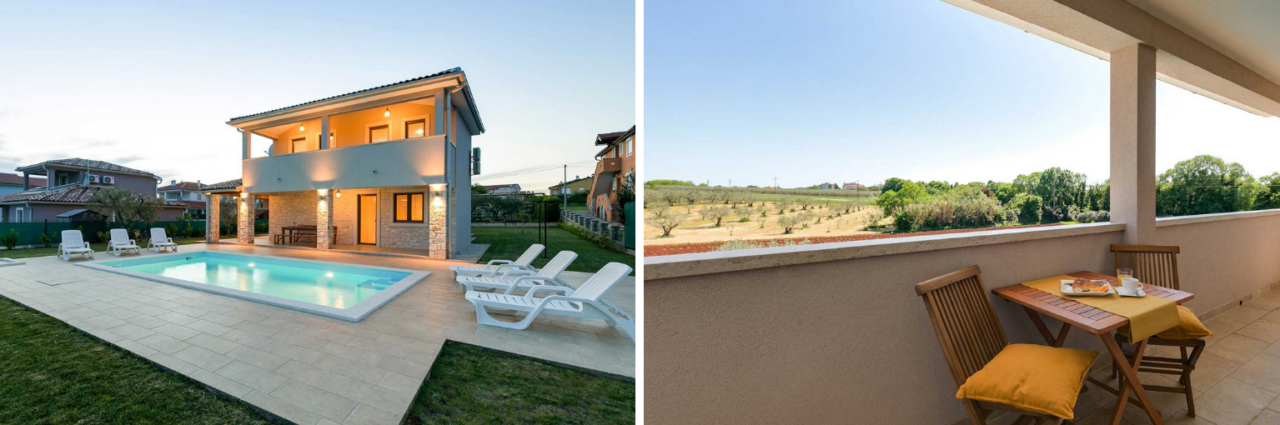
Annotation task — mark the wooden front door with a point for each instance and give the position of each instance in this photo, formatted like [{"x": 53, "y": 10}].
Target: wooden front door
[{"x": 367, "y": 218}]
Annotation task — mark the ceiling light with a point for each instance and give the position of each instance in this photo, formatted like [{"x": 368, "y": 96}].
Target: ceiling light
[
  {"x": 419, "y": 131},
  {"x": 302, "y": 128},
  {"x": 387, "y": 113}
]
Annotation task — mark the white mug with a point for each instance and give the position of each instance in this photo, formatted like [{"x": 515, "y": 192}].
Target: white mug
[{"x": 1130, "y": 284}]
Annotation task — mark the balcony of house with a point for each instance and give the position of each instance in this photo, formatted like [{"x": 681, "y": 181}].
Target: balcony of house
[
  {"x": 385, "y": 146},
  {"x": 608, "y": 165}
]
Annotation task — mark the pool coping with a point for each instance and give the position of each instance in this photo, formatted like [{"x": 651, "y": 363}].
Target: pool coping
[{"x": 356, "y": 313}]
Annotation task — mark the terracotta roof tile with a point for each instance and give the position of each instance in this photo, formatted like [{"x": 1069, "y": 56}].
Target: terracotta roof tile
[
  {"x": 16, "y": 180},
  {"x": 441, "y": 73}
]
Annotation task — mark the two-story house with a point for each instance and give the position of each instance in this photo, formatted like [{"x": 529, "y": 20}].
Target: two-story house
[
  {"x": 577, "y": 185},
  {"x": 13, "y": 183},
  {"x": 188, "y": 193},
  {"x": 70, "y": 184},
  {"x": 617, "y": 161},
  {"x": 503, "y": 189},
  {"x": 380, "y": 167}
]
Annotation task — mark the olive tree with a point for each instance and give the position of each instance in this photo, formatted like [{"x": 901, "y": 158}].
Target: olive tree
[
  {"x": 714, "y": 214},
  {"x": 667, "y": 222}
]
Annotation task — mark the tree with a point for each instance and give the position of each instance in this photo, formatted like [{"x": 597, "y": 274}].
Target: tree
[
  {"x": 1269, "y": 193},
  {"x": 479, "y": 190},
  {"x": 892, "y": 184},
  {"x": 626, "y": 194},
  {"x": 1029, "y": 208},
  {"x": 668, "y": 183},
  {"x": 1205, "y": 185},
  {"x": 125, "y": 206},
  {"x": 1059, "y": 187},
  {"x": 667, "y": 222},
  {"x": 1006, "y": 191},
  {"x": 788, "y": 222},
  {"x": 715, "y": 214},
  {"x": 909, "y": 193},
  {"x": 935, "y": 187}
]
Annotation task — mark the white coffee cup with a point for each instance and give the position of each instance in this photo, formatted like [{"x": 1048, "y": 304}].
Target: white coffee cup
[{"x": 1130, "y": 284}]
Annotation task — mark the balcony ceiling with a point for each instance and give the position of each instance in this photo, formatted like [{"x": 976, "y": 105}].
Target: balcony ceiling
[{"x": 1246, "y": 31}]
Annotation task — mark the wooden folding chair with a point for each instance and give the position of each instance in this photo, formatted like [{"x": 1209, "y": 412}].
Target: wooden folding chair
[
  {"x": 1158, "y": 265},
  {"x": 970, "y": 334}
]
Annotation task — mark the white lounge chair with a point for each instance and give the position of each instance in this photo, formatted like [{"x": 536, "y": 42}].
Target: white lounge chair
[
  {"x": 73, "y": 243},
  {"x": 159, "y": 241},
  {"x": 585, "y": 302},
  {"x": 120, "y": 242},
  {"x": 513, "y": 279},
  {"x": 495, "y": 266}
]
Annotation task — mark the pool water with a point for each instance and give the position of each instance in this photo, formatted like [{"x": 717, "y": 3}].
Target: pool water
[{"x": 333, "y": 285}]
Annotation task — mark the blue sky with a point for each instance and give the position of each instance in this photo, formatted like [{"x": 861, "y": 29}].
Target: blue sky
[
  {"x": 151, "y": 84},
  {"x": 865, "y": 90}
]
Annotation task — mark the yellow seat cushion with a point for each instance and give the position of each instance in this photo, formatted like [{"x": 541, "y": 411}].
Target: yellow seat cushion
[
  {"x": 1035, "y": 378},
  {"x": 1189, "y": 327}
]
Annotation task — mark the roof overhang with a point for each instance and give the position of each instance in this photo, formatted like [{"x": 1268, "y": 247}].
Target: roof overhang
[
  {"x": 373, "y": 98},
  {"x": 1099, "y": 27}
]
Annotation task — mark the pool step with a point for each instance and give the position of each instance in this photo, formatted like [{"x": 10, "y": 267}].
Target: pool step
[{"x": 378, "y": 284}]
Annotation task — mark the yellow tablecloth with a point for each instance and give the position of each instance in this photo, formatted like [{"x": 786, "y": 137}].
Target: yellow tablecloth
[{"x": 1147, "y": 315}]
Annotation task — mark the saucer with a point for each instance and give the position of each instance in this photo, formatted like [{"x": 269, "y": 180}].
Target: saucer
[{"x": 1124, "y": 293}]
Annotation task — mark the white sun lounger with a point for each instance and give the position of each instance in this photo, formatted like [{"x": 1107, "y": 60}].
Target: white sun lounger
[
  {"x": 73, "y": 243},
  {"x": 495, "y": 266},
  {"x": 513, "y": 279},
  {"x": 120, "y": 242},
  {"x": 159, "y": 241},
  {"x": 585, "y": 302}
]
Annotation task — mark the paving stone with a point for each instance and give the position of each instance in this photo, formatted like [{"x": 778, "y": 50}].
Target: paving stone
[
  {"x": 178, "y": 318},
  {"x": 282, "y": 408},
  {"x": 208, "y": 327},
  {"x": 351, "y": 369},
  {"x": 223, "y": 384},
  {"x": 351, "y": 353},
  {"x": 365, "y": 415},
  {"x": 405, "y": 367},
  {"x": 203, "y": 358},
  {"x": 132, "y": 331},
  {"x": 313, "y": 376},
  {"x": 327, "y": 404},
  {"x": 257, "y": 357},
  {"x": 381, "y": 398},
  {"x": 173, "y": 363},
  {"x": 164, "y": 343},
  {"x": 257, "y": 328},
  {"x": 146, "y": 321},
  {"x": 176, "y": 331},
  {"x": 251, "y": 376},
  {"x": 294, "y": 352},
  {"x": 246, "y": 338},
  {"x": 398, "y": 383},
  {"x": 213, "y": 343}
]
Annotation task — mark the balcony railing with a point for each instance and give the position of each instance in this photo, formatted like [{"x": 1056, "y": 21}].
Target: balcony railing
[
  {"x": 408, "y": 162},
  {"x": 609, "y": 165}
]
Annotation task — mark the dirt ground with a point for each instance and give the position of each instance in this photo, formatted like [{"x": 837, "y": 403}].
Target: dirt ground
[{"x": 697, "y": 230}]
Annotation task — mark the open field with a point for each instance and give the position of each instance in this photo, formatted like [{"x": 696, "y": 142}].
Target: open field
[{"x": 697, "y": 229}]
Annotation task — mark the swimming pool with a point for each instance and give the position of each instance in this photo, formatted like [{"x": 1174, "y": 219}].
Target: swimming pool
[{"x": 342, "y": 291}]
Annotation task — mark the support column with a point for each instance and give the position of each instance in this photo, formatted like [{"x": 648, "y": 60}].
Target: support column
[
  {"x": 437, "y": 246},
  {"x": 1133, "y": 141},
  {"x": 324, "y": 219},
  {"x": 244, "y": 232},
  {"x": 212, "y": 215},
  {"x": 324, "y": 132},
  {"x": 245, "y": 143}
]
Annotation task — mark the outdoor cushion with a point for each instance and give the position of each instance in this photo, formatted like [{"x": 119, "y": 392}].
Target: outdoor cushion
[
  {"x": 1035, "y": 378},
  {"x": 1189, "y": 327}
]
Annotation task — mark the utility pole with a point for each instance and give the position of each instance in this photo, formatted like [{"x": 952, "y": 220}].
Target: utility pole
[
  {"x": 730, "y": 182},
  {"x": 564, "y": 184},
  {"x": 775, "y": 182}
]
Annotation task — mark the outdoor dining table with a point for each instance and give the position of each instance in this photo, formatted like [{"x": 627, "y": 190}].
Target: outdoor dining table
[
  {"x": 291, "y": 234},
  {"x": 1097, "y": 322}
]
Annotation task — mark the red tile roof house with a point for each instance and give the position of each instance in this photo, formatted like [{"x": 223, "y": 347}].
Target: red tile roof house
[
  {"x": 186, "y": 193},
  {"x": 389, "y": 167},
  {"x": 71, "y": 183},
  {"x": 13, "y": 183}
]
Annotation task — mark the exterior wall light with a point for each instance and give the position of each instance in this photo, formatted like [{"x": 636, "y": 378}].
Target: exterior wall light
[
  {"x": 302, "y": 128},
  {"x": 320, "y": 194},
  {"x": 387, "y": 112},
  {"x": 337, "y": 194},
  {"x": 244, "y": 195}
]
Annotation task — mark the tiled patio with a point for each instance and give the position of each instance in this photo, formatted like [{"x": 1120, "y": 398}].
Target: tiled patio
[
  {"x": 1237, "y": 380},
  {"x": 306, "y": 368}
]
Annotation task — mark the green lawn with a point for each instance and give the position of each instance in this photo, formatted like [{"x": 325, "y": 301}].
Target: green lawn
[
  {"x": 474, "y": 385},
  {"x": 577, "y": 207},
  {"x": 97, "y": 247},
  {"x": 507, "y": 243},
  {"x": 53, "y": 374}
]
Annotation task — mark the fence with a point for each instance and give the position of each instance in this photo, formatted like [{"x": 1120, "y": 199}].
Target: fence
[
  {"x": 613, "y": 231},
  {"x": 29, "y": 233}
]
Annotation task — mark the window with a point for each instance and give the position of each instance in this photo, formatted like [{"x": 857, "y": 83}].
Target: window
[
  {"x": 64, "y": 179},
  {"x": 630, "y": 150},
  {"x": 408, "y": 208},
  {"x": 171, "y": 195},
  {"x": 380, "y": 133},
  {"x": 17, "y": 218},
  {"x": 415, "y": 128},
  {"x": 615, "y": 185},
  {"x": 300, "y": 145}
]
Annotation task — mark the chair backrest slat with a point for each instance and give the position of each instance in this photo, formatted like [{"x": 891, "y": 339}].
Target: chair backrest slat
[
  {"x": 557, "y": 264},
  {"x": 964, "y": 320},
  {"x": 604, "y": 280},
  {"x": 1151, "y": 264},
  {"x": 157, "y": 234},
  {"x": 72, "y": 238},
  {"x": 529, "y": 254},
  {"x": 119, "y": 236}
]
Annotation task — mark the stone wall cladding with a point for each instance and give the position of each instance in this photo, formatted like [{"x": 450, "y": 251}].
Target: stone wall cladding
[
  {"x": 213, "y": 213},
  {"x": 324, "y": 221},
  {"x": 295, "y": 208},
  {"x": 244, "y": 228},
  {"x": 292, "y": 209}
]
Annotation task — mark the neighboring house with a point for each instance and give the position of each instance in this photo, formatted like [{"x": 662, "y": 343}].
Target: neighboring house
[
  {"x": 828, "y": 186},
  {"x": 12, "y": 183},
  {"x": 616, "y": 161},
  {"x": 71, "y": 183},
  {"x": 188, "y": 193},
  {"x": 852, "y": 186},
  {"x": 575, "y": 186},
  {"x": 503, "y": 189},
  {"x": 384, "y": 165}
]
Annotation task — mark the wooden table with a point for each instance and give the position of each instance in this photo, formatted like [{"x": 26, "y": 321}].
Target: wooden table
[
  {"x": 1097, "y": 322},
  {"x": 292, "y": 234}
]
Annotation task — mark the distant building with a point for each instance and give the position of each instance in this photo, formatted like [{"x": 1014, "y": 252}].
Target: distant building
[
  {"x": 578, "y": 185},
  {"x": 503, "y": 189},
  {"x": 828, "y": 186},
  {"x": 771, "y": 187},
  {"x": 188, "y": 193},
  {"x": 614, "y": 163},
  {"x": 12, "y": 183},
  {"x": 853, "y": 186},
  {"x": 73, "y": 182}
]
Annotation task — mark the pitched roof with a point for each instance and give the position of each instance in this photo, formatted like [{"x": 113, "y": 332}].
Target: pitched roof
[
  {"x": 607, "y": 138},
  {"x": 71, "y": 194},
  {"x": 229, "y": 184},
  {"x": 16, "y": 180},
  {"x": 181, "y": 186},
  {"x": 500, "y": 186},
  {"x": 573, "y": 181},
  {"x": 424, "y": 77},
  {"x": 92, "y": 165}
]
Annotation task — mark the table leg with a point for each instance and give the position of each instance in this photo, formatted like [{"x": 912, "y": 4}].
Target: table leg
[
  {"x": 1130, "y": 380},
  {"x": 1044, "y": 330}
]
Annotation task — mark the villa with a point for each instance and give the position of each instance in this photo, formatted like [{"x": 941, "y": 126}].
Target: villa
[
  {"x": 373, "y": 169},
  {"x": 615, "y": 163},
  {"x": 71, "y": 183}
]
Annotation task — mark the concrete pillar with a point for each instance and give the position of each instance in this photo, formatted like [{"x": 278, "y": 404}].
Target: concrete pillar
[
  {"x": 244, "y": 230},
  {"x": 324, "y": 132},
  {"x": 437, "y": 246},
  {"x": 324, "y": 220},
  {"x": 1133, "y": 141},
  {"x": 212, "y": 215},
  {"x": 245, "y": 145}
]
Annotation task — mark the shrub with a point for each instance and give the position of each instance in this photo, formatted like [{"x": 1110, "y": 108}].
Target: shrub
[
  {"x": 947, "y": 213},
  {"x": 740, "y": 244},
  {"x": 46, "y": 240},
  {"x": 1029, "y": 207},
  {"x": 1093, "y": 217},
  {"x": 10, "y": 240}
]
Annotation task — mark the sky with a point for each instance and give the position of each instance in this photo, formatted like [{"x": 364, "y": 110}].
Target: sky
[
  {"x": 150, "y": 85},
  {"x": 860, "y": 91}
]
